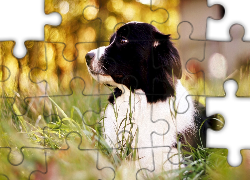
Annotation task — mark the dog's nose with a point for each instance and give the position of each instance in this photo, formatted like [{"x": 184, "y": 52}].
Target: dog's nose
[{"x": 89, "y": 56}]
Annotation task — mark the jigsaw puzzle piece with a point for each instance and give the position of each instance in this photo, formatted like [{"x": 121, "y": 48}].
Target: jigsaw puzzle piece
[
  {"x": 196, "y": 12},
  {"x": 229, "y": 107},
  {"x": 219, "y": 61},
  {"x": 184, "y": 42},
  {"x": 77, "y": 150},
  {"x": 238, "y": 59}
]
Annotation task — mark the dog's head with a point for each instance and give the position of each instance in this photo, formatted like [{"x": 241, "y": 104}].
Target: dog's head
[{"x": 139, "y": 57}]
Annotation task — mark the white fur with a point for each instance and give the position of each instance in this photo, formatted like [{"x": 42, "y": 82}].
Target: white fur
[{"x": 144, "y": 117}]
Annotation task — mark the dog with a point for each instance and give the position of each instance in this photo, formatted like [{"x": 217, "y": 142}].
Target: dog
[{"x": 145, "y": 68}]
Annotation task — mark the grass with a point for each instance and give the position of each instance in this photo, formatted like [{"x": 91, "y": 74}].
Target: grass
[{"x": 65, "y": 144}]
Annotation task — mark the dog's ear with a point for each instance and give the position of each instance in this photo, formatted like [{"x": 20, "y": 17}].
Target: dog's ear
[
  {"x": 166, "y": 55},
  {"x": 164, "y": 68}
]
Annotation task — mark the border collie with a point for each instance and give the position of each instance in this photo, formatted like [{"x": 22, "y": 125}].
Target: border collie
[{"x": 145, "y": 68}]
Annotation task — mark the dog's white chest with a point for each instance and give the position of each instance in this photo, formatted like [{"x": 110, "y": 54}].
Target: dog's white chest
[
  {"x": 131, "y": 112},
  {"x": 149, "y": 124}
]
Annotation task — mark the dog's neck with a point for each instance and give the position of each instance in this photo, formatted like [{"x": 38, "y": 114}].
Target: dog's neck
[{"x": 180, "y": 91}]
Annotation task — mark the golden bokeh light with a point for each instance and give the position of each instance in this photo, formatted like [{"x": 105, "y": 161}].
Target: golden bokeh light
[
  {"x": 117, "y": 5},
  {"x": 64, "y": 7},
  {"x": 110, "y": 22},
  {"x": 90, "y": 13},
  {"x": 129, "y": 12}
]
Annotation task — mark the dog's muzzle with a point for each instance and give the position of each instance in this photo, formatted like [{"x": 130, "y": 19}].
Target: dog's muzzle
[{"x": 89, "y": 56}]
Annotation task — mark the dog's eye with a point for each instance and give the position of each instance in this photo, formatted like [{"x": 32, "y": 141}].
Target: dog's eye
[{"x": 123, "y": 40}]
